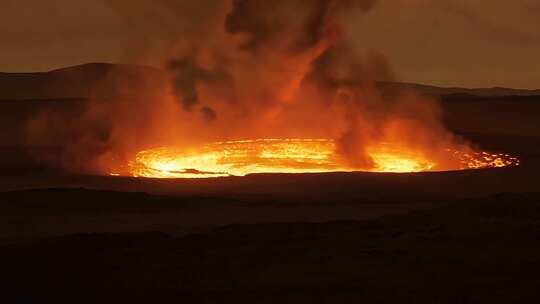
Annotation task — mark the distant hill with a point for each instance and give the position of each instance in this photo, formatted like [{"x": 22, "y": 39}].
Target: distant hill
[
  {"x": 100, "y": 79},
  {"x": 23, "y": 96},
  {"x": 443, "y": 91},
  {"x": 77, "y": 82}
]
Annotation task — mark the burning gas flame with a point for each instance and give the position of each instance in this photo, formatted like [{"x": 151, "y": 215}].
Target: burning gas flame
[{"x": 239, "y": 158}]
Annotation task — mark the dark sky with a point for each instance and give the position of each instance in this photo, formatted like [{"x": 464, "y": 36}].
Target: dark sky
[{"x": 443, "y": 42}]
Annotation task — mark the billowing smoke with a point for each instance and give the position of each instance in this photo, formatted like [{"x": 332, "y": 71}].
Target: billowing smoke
[
  {"x": 257, "y": 68},
  {"x": 264, "y": 22}
]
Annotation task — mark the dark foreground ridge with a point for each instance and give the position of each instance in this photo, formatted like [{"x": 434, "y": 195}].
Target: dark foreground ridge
[{"x": 472, "y": 251}]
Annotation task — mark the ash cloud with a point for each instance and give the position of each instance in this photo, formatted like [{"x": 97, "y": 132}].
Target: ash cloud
[
  {"x": 281, "y": 29},
  {"x": 185, "y": 76},
  {"x": 264, "y": 21},
  {"x": 241, "y": 69},
  {"x": 209, "y": 114}
]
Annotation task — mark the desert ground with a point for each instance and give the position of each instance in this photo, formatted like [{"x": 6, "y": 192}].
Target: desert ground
[{"x": 443, "y": 237}]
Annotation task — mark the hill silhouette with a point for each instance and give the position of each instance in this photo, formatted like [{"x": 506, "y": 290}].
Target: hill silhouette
[{"x": 97, "y": 80}]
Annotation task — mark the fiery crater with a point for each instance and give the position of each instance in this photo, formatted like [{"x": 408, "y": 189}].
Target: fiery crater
[{"x": 239, "y": 158}]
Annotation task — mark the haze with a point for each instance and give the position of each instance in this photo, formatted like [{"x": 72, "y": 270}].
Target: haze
[{"x": 471, "y": 43}]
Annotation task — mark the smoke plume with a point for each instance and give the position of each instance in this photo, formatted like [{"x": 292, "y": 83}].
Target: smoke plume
[{"x": 256, "y": 68}]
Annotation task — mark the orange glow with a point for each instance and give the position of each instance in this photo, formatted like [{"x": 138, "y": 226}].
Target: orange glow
[{"x": 239, "y": 158}]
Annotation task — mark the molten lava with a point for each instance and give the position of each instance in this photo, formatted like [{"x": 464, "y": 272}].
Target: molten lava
[{"x": 239, "y": 158}]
